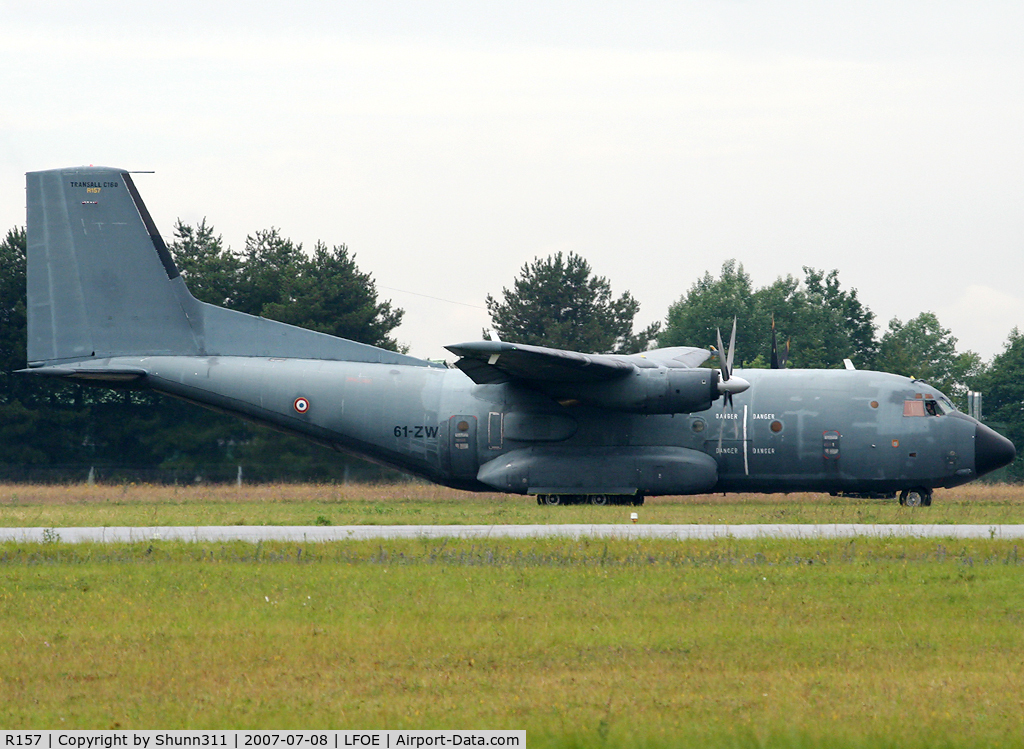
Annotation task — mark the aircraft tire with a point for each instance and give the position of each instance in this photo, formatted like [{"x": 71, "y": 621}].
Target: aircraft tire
[
  {"x": 600, "y": 499},
  {"x": 915, "y": 498},
  {"x": 554, "y": 499},
  {"x": 540, "y": 499}
]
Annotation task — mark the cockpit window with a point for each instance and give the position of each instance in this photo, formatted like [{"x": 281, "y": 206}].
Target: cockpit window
[
  {"x": 913, "y": 408},
  {"x": 927, "y": 407}
]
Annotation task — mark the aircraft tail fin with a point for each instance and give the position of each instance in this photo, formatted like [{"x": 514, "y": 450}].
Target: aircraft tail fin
[{"x": 101, "y": 284}]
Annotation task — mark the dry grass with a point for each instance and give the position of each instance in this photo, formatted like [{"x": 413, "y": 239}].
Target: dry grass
[
  {"x": 297, "y": 504},
  {"x": 198, "y": 494}
]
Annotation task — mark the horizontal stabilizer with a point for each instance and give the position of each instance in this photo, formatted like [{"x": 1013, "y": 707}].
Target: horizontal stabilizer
[{"x": 99, "y": 374}]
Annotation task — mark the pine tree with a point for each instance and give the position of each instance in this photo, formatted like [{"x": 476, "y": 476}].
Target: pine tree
[
  {"x": 923, "y": 349},
  {"x": 558, "y": 302}
]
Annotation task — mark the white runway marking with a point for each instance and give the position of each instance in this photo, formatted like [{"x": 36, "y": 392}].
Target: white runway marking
[{"x": 362, "y": 532}]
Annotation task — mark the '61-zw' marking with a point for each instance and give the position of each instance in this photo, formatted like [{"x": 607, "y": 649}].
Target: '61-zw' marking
[{"x": 417, "y": 432}]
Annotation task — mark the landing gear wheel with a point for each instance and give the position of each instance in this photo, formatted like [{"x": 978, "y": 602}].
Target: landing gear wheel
[
  {"x": 916, "y": 498},
  {"x": 600, "y": 499},
  {"x": 540, "y": 499},
  {"x": 637, "y": 500},
  {"x": 552, "y": 499}
]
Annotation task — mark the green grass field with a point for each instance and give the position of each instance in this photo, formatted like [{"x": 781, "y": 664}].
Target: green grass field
[
  {"x": 287, "y": 504},
  {"x": 761, "y": 643},
  {"x": 586, "y": 643}
]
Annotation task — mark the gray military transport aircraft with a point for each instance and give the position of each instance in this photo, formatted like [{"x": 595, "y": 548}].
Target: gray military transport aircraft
[{"x": 107, "y": 306}]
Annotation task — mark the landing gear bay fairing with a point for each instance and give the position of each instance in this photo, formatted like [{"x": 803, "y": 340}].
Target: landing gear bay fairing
[{"x": 107, "y": 306}]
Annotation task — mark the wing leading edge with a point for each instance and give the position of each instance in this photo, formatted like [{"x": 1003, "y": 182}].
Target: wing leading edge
[{"x": 491, "y": 362}]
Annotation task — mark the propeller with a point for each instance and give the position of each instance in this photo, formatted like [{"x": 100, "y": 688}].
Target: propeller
[
  {"x": 778, "y": 362},
  {"x": 728, "y": 383}
]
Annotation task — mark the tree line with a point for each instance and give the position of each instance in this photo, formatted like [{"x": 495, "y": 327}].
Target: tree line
[
  {"x": 556, "y": 301},
  {"x": 818, "y": 321},
  {"x": 61, "y": 430}
]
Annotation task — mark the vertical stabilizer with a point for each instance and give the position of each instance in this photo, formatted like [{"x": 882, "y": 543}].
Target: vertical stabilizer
[{"x": 101, "y": 282}]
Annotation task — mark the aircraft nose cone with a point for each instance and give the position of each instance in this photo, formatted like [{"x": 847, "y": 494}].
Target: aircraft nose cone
[{"x": 991, "y": 450}]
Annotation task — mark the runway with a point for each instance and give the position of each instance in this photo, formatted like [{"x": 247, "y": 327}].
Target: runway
[{"x": 320, "y": 534}]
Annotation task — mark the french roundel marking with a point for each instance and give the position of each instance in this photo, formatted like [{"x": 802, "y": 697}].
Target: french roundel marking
[{"x": 301, "y": 405}]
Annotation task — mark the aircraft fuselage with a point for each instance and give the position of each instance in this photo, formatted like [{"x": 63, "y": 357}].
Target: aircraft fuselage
[
  {"x": 793, "y": 430},
  {"x": 106, "y": 304}
]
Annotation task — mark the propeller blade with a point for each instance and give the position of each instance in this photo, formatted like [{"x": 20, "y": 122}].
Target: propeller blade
[
  {"x": 775, "y": 349},
  {"x": 728, "y": 384},
  {"x": 732, "y": 346},
  {"x": 722, "y": 364},
  {"x": 779, "y": 359}
]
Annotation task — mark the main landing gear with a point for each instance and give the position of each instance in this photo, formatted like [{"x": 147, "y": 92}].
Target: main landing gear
[
  {"x": 916, "y": 497},
  {"x": 590, "y": 499}
]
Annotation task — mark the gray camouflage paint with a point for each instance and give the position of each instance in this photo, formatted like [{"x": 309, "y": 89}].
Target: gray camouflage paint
[{"x": 106, "y": 305}]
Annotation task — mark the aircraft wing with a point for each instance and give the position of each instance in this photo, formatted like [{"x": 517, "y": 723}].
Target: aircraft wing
[
  {"x": 491, "y": 362},
  {"x": 675, "y": 356}
]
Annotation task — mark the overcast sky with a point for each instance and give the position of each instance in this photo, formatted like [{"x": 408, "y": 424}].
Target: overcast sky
[{"x": 449, "y": 143}]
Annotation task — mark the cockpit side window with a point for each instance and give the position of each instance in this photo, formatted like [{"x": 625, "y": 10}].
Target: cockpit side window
[
  {"x": 939, "y": 406},
  {"x": 925, "y": 407},
  {"x": 913, "y": 408}
]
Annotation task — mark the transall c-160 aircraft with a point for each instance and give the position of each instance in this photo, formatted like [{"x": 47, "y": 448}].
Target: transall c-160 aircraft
[{"x": 107, "y": 306}]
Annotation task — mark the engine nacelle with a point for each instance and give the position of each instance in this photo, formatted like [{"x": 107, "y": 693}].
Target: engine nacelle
[{"x": 654, "y": 390}]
